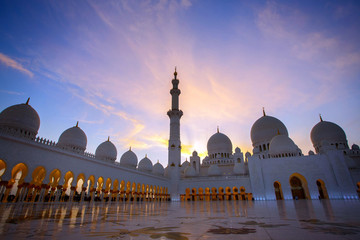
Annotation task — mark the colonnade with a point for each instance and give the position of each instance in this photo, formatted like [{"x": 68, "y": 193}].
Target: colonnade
[
  {"x": 85, "y": 189},
  {"x": 215, "y": 194}
]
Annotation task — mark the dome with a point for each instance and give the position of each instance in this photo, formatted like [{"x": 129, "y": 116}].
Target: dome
[
  {"x": 106, "y": 151},
  {"x": 145, "y": 165},
  {"x": 184, "y": 165},
  {"x": 158, "y": 169},
  {"x": 190, "y": 171},
  {"x": 355, "y": 147},
  {"x": 327, "y": 131},
  {"x": 129, "y": 159},
  {"x": 20, "y": 117},
  {"x": 73, "y": 139},
  {"x": 265, "y": 128},
  {"x": 311, "y": 153},
  {"x": 282, "y": 144},
  {"x": 214, "y": 170},
  {"x": 237, "y": 150},
  {"x": 219, "y": 143}
]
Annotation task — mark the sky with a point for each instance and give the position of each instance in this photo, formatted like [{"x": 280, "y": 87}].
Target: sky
[{"x": 109, "y": 65}]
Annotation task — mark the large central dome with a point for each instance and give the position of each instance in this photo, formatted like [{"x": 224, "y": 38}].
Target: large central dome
[
  {"x": 219, "y": 143},
  {"x": 265, "y": 128}
]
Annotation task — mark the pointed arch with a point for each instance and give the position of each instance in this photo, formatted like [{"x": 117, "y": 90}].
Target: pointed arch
[
  {"x": 299, "y": 186},
  {"x": 38, "y": 176},
  {"x": 278, "y": 191},
  {"x": 2, "y": 167},
  {"x": 323, "y": 194}
]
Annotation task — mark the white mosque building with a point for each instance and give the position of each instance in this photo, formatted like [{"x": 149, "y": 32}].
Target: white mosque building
[{"x": 36, "y": 169}]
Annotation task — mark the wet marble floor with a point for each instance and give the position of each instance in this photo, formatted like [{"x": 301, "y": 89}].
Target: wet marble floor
[{"x": 302, "y": 219}]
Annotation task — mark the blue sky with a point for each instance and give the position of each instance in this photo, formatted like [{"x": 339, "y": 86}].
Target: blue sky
[{"x": 109, "y": 66}]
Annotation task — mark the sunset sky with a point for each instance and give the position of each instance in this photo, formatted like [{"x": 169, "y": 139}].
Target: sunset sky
[{"x": 109, "y": 65}]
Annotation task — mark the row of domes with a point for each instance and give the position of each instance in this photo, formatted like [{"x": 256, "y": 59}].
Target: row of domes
[
  {"x": 24, "y": 118},
  {"x": 263, "y": 131}
]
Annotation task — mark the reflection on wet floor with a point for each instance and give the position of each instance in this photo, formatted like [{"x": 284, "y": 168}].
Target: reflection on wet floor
[{"x": 182, "y": 220}]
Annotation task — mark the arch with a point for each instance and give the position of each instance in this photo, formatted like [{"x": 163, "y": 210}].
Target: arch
[
  {"x": 322, "y": 189},
  {"x": 235, "y": 193},
  {"x": 221, "y": 193},
  {"x": 358, "y": 188},
  {"x": 228, "y": 193},
  {"x": 2, "y": 167},
  {"x": 19, "y": 169},
  {"x": 116, "y": 185},
  {"x": 68, "y": 179},
  {"x": 99, "y": 186},
  {"x": 108, "y": 184},
  {"x": 80, "y": 180},
  {"x": 242, "y": 193},
  {"x": 193, "y": 194},
  {"x": 278, "y": 191},
  {"x": 38, "y": 176},
  {"x": 213, "y": 193},
  {"x": 299, "y": 186},
  {"x": 54, "y": 177}
]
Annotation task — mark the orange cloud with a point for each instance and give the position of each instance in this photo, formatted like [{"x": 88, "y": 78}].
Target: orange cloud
[{"x": 14, "y": 64}]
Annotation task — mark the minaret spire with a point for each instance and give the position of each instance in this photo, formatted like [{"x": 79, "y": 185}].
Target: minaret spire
[{"x": 174, "y": 114}]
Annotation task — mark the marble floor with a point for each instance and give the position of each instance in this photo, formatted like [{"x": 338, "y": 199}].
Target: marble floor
[{"x": 302, "y": 219}]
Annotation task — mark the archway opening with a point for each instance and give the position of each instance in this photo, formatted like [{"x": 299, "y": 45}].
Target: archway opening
[
  {"x": 298, "y": 187},
  {"x": 278, "y": 191},
  {"x": 322, "y": 189}
]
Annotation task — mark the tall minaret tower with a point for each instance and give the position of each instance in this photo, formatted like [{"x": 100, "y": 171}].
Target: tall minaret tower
[{"x": 174, "y": 114}]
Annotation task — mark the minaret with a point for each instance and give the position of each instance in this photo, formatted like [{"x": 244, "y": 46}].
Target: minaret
[{"x": 174, "y": 114}]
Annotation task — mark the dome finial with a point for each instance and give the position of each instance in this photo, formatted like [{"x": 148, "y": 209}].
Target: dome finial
[
  {"x": 158, "y": 161},
  {"x": 27, "y": 102},
  {"x": 217, "y": 129},
  {"x": 108, "y": 139},
  {"x": 130, "y": 148},
  {"x": 264, "y": 112},
  {"x": 146, "y": 155},
  {"x": 320, "y": 117},
  {"x": 77, "y": 124},
  {"x": 175, "y": 73}
]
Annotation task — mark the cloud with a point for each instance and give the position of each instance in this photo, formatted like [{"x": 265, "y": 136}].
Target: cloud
[
  {"x": 7, "y": 61},
  {"x": 12, "y": 92}
]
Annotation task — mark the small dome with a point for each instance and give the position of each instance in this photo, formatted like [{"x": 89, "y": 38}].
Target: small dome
[
  {"x": 190, "y": 171},
  {"x": 106, "y": 151},
  {"x": 73, "y": 139},
  {"x": 265, "y": 128},
  {"x": 219, "y": 143},
  {"x": 214, "y": 170},
  {"x": 311, "y": 153},
  {"x": 20, "y": 117},
  {"x": 195, "y": 153},
  {"x": 282, "y": 144},
  {"x": 129, "y": 159},
  {"x": 237, "y": 150},
  {"x": 328, "y": 131},
  {"x": 247, "y": 155},
  {"x": 158, "y": 169},
  {"x": 145, "y": 165},
  {"x": 355, "y": 147},
  {"x": 184, "y": 165}
]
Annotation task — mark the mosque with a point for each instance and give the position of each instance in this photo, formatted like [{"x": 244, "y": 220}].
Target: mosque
[{"x": 34, "y": 169}]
